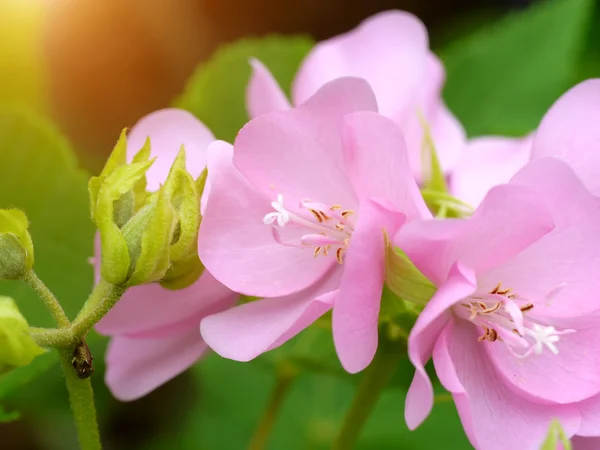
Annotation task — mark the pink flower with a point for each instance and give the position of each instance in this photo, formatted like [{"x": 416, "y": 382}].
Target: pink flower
[
  {"x": 568, "y": 131},
  {"x": 391, "y": 51},
  {"x": 296, "y": 213},
  {"x": 584, "y": 443},
  {"x": 513, "y": 328},
  {"x": 154, "y": 330}
]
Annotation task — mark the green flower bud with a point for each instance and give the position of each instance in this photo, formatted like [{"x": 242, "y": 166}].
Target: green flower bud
[
  {"x": 115, "y": 195},
  {"x": 556, "y": 438},
  {"x": 16, "y": 246},
  {"x": 185, "y": 193},
  {"x": 17, "y": 347}
]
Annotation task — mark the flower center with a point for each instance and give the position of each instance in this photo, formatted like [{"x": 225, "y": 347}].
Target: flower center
[
  {"x": 501, "y": 315},
  {"x": 326, "y": 228}
]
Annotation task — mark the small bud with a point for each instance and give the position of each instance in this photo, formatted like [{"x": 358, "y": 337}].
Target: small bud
[
  {"x": 403, "y": 279},
  {"x": 115, "y": 196},
  {"x": 556, "y": 438},
  {"x": 16, "y": 246},
  {"x": 17, "y": 347}
]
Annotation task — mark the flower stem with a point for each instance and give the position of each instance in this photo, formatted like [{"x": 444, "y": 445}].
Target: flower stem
[
  {"x": 375, "y": 378},
  {"x": 48, "y": 298},
  {"x": 260, "y": 439},
  {"x": 101, "y": 300},
  {"x": 81, "y": 397}
]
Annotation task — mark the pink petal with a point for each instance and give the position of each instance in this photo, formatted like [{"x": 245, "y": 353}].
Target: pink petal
[
  {"x": 419, "y": 400},
  {"x": 509, "y": 220},
  {"x": 570, "y": 376},
  {"x": 263, "y": 94},
  {"x": 238, "y": 248},
  {"x": 377, "y": 161},
  {"x": 388, "y": 50},
  {"x": 590, "y": 417},
  {"x": 559, "y": 273},
  {"x": 585, "y": 443},
  {"x": 499, "y": 418},
  {"x": 136, "y": 367},
  {"x": 247, "y": 331},
  {"x": 168, "y": 130},
  {"x": 150, "y": 307},
  {"x": 298, "y": 153},
  {"x": 356, "y": 313},
  {"x": 570, "y": 131},
  {"x": 447, "y": 132},
  {"x": 487, "y": 162}
]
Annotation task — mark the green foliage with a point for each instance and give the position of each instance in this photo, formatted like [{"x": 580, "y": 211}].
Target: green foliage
[
  {"x": 502, "y": 78},
  {"x": 234, "y": 396},
  {"x": 38, "y": 175},
  {"x": 216, "y": 93}
]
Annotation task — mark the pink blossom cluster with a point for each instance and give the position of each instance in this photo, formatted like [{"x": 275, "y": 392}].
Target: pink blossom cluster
[{"x": 294, "y": 213}]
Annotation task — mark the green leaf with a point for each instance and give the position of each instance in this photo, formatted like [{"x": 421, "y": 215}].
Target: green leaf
[
  {"x": 502, "y": 78},
  {"x": 39, "y": 175},
  {"x": 8, "y": 416},
  {"x": 234, "y": 397},
  {"x": 216, "y": 92}
]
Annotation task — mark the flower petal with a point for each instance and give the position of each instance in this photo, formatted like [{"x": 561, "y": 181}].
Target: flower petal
[
  {"x": 419, "y": 400},
  {"x": 558, "y": 274},
  {"x": 499, "y": 418},
  {"x": 487, "y": 162},
  {"x": 585, "y": 443},
  {"x": 263, "y": 94},
  {"x": 151, "y": 307},
  {"x": 590, "y": 417},
  {"x": 298, "y": 153},
  {"x": 570, "y": 376},
  {"x": 356, "y": 313},
  {"x": 570, "y": 131},
  {"x": 509, "y": 220},
  {"x": 136, "y": 367},
  {"x": 246, "y": 331},
  {"x": 238, "y": 248},
  {"x": 169, "y": 129},
  {"x": 377, "y": 162},
  {"x": 388, "y": 50}
]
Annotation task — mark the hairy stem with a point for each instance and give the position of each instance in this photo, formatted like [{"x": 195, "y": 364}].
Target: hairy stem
[
  {"x": 48, "y": 298},
  {"x": 102, "y": 299},
  {"x": 260, "y": 439},
  {"x": 81, "y": 397},
  {"x": 374, "y": 380}
]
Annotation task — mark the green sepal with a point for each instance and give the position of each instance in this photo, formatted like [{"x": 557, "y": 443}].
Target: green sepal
[
  {"x": 556, "y": 435},
  {"x": 16, "y": 246},
  {"x": 115, "y": 261},
  {"x": 404, "y": 279},
  {"x": 17, "y": 347},
  {"x": 154, "y": 261}
]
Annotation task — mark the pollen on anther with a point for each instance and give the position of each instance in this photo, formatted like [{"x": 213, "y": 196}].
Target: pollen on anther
[
  {"x": 338, "y": 255},
  {"x": 526, "y": 307},
  {"x": 346, "y": 213},
  {"x": 317, "y": 251},
  {"x": 335, "y": 207},
  {"x": 339, "y": 227},
  {"x": 497, "y": 288},
  {"x": 317, "y": 214}
]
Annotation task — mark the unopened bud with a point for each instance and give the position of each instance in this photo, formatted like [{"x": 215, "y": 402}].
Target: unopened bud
[
  {"x": 408, "y": 289},
  {"x": 17, "y": 347},
  {"x": 16, "y": 246}
]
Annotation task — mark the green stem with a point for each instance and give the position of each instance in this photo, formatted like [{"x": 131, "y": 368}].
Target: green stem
[
  {"x": 260, "y": 439},
  {"x": 48, "y": 298},
  {"x": 103, "y": 298},
  {"x": 81, "y": 397},
  {"x": 375, "y": 378},
  {"x": 53, "y": 337}
]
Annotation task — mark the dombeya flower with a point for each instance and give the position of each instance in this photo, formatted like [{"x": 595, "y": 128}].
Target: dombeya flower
[
  {"x": 391, "y": 51},
  {"x": 513, "y": 327},
  {"x": 296, "y": 212},
  {"x": 154, "y": 330}
]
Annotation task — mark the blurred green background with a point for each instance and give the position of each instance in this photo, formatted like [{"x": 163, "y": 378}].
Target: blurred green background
[{"x": 74, "y": 73}]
